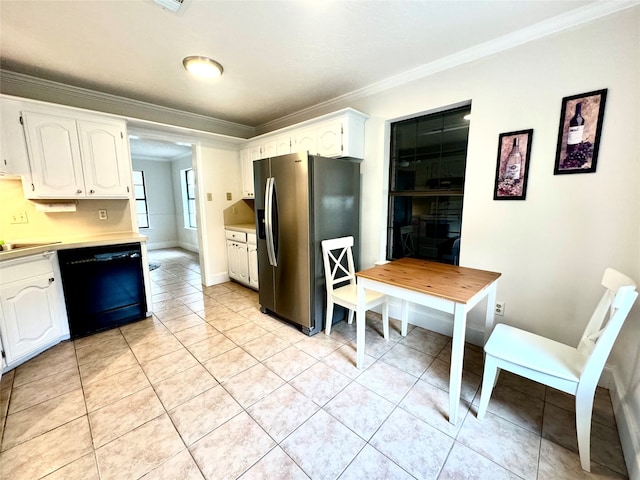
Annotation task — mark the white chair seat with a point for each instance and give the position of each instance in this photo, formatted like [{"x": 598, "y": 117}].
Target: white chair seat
[
  {"x": 348, "y": 294},
  {"x": 532, "y": 351}
]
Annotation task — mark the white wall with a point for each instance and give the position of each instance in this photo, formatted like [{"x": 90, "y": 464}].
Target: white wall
[
  {"x": 553, "y": 247},
  {"x": 218, "y": 172},
  {"x": 162, "y": 232},
  {"x": 187, "y": 237}
]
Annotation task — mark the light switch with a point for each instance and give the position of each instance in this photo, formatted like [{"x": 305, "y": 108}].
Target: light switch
[{"x": 209, "y": 197}]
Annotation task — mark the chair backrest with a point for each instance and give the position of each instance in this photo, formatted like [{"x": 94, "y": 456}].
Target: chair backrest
[
  {"x": 406, "y": 237},
  {"x": 337, "y": 257},
  {"x": 605, "y": 323}
]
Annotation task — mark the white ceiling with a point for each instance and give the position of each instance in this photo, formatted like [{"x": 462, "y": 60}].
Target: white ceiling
[{"x": 279, "y": 57}]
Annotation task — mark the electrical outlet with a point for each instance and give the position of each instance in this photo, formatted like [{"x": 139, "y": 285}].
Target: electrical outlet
[
  {"x": 500, "y": 308},
  {"x": 19, "y": 217},
  {"x": 234, "y": 210},
  {"x": 228, "y": 195},
  {"x": 209, "y": 197},
  {"x": 102, "y": 214}
]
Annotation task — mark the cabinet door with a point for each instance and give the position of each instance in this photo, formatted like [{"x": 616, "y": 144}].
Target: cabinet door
[
  {"x": 255, "y": 152},
  {"x": 269, "y": 149},
  {"x": 243, "y": 263},
  {"x": 232, "y": 259},
  {"x": 246, "y": 169},
  {"x": 31, "y": 309},
  {"x": 329, "y": 137},
  {"x": 283, "y": 145},
  {"x": 253, "y": 266},
  {"x": 305, "y": 141},
  {"x": 106, "y": 169},
  {"x": 54, "y": 155}
]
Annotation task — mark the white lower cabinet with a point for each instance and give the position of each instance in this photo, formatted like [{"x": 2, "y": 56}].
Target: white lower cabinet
[
  {"x": 252, "y": 244},
  {"x": 243, "y": 263},
  {"x": 32, "y": 317},
  {"x": 238, "y": 261}
]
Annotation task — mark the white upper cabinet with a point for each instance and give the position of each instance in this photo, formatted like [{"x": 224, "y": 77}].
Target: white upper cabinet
[
  {"x": 283, "y": 145},
  {"x": 338, "y": 134},
  {"x": 305, "y": 140},
  {"x": 76, "y": 158},
  {"x": 106, "y": 169},
  {"x": 246, "y": 170}
]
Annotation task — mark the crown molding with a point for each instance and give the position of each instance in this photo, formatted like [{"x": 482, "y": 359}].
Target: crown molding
[
  {"x": 571, "y": 19},
  {"x": 26, "y": 86},
  {"x": 22, "y": 85}
]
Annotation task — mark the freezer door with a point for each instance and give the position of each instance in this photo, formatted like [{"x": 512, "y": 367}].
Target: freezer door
[
  {"x": 261, "y": 173},
  {"x": 292, "y": 276}
]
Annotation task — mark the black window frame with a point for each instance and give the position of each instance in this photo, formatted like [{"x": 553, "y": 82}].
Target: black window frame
[{"x": 426, "y": 185}]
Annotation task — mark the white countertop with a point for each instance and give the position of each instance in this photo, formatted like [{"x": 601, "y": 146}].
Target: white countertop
[
  {"x": 63, "y": 243},
  {"x": 242, "y": 227}
]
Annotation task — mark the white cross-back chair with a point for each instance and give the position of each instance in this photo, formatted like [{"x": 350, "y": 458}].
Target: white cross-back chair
[
  {"x": 339, "y": 272},
  {"x": 573, "y": 370}
]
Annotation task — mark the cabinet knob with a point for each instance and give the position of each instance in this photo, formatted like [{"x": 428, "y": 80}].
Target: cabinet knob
[
  {"x": 92, "y": 191},
  {"x": 51, "y": 280},
  {"x": 78, "y": 191}
]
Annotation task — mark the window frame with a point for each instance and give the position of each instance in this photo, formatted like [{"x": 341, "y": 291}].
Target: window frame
[
  {"x": 401, "y": 243},
  {"x": 189, "y": 198},
  {"x": 143, "y": 198}
]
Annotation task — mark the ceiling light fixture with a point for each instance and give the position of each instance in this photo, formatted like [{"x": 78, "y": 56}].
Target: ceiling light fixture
[{"x": 202, "y": 66}]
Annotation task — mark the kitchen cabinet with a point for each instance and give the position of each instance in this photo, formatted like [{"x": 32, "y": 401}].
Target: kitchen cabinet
[
  {"x": 246, "y": 170},
  {"x": 32, "y": 317},
  {"x": 338, "y": 134},
  {"x": 14, "y": 159},
  {"x": 76, "y": 157},
  {"x": 242, "y": 257},
  {"x": 252, "y": 249},
  {"x": 238, "y": 261},
  {"x": 237, "y": 256},
  {"x": 278, "y": 146}
]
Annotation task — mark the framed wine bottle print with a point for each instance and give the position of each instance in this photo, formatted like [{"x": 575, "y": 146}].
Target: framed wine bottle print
[
  {"x": 579, "y": 132},
  {"x": 512, "y": 169}
]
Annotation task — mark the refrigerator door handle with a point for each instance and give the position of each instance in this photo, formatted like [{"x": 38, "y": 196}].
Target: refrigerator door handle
[{"x": 268, "y": 219}]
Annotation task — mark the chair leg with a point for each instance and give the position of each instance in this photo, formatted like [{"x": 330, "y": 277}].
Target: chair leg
[
  {"x": 385, "y": 319},
  {"x": 329, "y": 317},
  {"x": 489, "y": 379},
  {"x": 350, "y": 317},
  {"x": 584, "y": 409}
]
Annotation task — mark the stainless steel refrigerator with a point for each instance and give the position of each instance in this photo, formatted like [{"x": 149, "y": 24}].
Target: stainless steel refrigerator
[{"x": 300, "y": 200}]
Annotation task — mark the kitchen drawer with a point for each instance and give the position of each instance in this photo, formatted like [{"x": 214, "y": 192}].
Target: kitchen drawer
[
  {"x": 26, "y": 267},
  {"x": 236, "y": 236},
  {"x": 252, "y": 239}
]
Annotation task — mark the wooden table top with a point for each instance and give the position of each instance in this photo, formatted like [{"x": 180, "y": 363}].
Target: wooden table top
[{"x": 451, "y": 282}]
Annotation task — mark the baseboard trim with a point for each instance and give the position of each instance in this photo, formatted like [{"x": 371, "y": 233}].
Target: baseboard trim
[
  {"x": 159, "y": 245},
  {"x": 628, "y": 425},
  {"x": 216, "y": 279},
  {"x": 435, "y": 321}
]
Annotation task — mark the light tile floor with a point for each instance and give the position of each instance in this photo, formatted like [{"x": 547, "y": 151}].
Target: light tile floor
[{"x": 211, "y": 388}]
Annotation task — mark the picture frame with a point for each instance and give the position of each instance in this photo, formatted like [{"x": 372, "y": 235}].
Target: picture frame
[
  {"x": 512, "y": 166},
  {"x": 579, "y": 132}
]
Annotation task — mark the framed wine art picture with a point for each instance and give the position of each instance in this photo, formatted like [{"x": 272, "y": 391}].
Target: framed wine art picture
[
  {"x": 512, "y": 169},
  {"x": 579, "y": 132}
]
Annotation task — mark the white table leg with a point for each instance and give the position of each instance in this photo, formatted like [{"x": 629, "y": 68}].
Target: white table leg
[
  {"x": 491, "y": 310},
  {"x": 457, "y": 353},
  {"x": 360, "y": 325},
  {"x": 404, "y": 317}
]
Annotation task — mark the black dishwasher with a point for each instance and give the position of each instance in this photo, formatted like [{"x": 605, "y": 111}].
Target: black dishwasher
[{"x": 103, "y": 287}]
